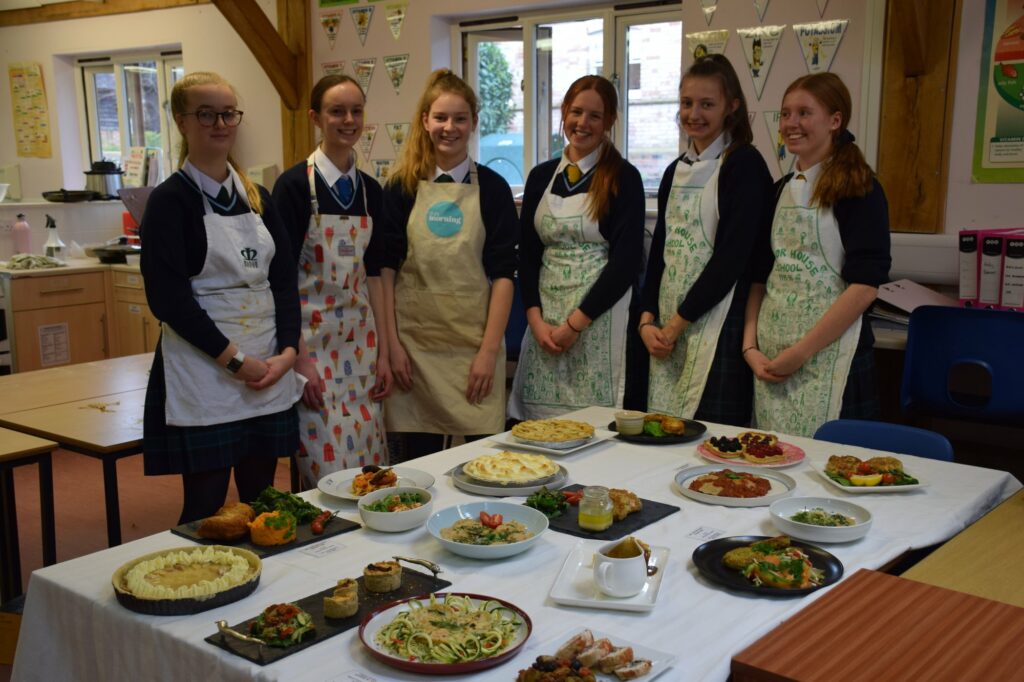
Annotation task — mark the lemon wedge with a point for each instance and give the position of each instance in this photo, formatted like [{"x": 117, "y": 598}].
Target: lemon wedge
[{"x": 866, "y": 480}]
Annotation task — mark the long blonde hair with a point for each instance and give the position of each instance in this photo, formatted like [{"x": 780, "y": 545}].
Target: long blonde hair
[
  {"x": 179, "y": 105},
  {"x": 418, "y": 160}
]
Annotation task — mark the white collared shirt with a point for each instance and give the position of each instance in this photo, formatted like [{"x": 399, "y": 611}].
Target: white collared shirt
[
  {"x": 811, "y": 174},
  {"x": 332, "y": 173},
  {"x": 209, "y": 186},
  {"x": 713, "y": 151},
  {"x": 586, "y": 163},
  {"x": 458, "y": 174}
]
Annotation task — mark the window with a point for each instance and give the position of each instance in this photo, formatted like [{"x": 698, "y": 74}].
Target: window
[
  {"x": 522, "y": 67},
  {"x": 125, "y": 103}
]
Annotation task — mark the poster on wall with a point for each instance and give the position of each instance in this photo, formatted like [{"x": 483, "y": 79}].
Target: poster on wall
[
  {"x": 363, "y": 69},
  {"x": 335, "y": 3},
  {"x": 819, "y": 42},
  {"x": 759, "y": 45},
  {"x": 330, "y": 23},
  {"x": 31, "y": 114},
  {"x": 398, "y": 133},
  {"x": 395, "y": 14},
  {"x": 333, "y": 68},
  {"x": 361, "y": 18},
  {"x": 381, "y": 168},
  {"x": 999, "y": 128},
  {"x": 783, "y": 158},
  {"x": 703, "y": 43},
  {"x": 366, "y": 140},
  {"x": 395, "y": 65}
]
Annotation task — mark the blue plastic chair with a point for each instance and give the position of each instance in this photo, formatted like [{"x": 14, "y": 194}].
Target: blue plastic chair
[
  {"x": 516, "y": 327},
  {"x": 965, "y": 363},
  {"x": 908, "y": 440}
]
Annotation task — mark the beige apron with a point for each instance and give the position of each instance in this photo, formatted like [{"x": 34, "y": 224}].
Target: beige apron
[
  {"x": 691, "y": 222},
  {"x": 591, "y": 372},
  {"x": 341, "y": 338},
  {"x": 803, "y": 284},
  {"x": 234, "y": 291},
  {"x": 441, "y": 300}
]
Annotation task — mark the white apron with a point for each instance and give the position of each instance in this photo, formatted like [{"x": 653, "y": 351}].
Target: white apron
[
  {"x": 441, "y": 300},
  {"x": 803, "y": 284},
  {"x": 591, "y": 372},
  {"x": 233, "y": 289},
  {"x": 691, "y": 222},
  {"x": 341, "y": 339}
]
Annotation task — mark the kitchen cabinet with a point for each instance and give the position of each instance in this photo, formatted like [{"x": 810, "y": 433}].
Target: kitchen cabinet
[
  {"x": 59, "y": 318},
  {"x": 136, "y": 328}
]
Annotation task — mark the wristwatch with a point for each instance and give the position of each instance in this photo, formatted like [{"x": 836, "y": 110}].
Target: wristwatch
[{"x": 235, "y": 363}]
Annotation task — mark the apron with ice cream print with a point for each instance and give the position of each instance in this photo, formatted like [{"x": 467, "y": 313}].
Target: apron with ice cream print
[
  {"x": 691, "y": 221},
  {"x": 591, "y": 371},
  {"x": 441, "y": 300},
  {"x": 341, "y": 339},
  {"x": 803, "y": 284},
  {"x": 233, "y": 289}
]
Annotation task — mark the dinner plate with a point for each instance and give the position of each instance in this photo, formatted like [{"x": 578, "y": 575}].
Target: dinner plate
[
  {"x": 477, "y": 487},
  {"x": 793, "y": 454},
  {"x": 507, "y": 440},
  {"x": 660, "y": 660},
  {"x": 339, "y": 484},
  {"x": 380, "y": 618},
  {"x": 708, "y": 559},
  {"x": 782, "y": 486},
  {"x": 693, "y": 431},
  {"x": 575, "y": 585},
  {"x": 872, "y": 489}
]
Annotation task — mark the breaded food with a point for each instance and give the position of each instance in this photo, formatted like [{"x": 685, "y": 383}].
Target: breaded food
[
  {"x": 673, "y": 425},
  {"x": 595, "y": 652},
  {"x": 885, "y": 465},
  {"x": 638, "y": 668},
  {"x": 574, "y": 646},
  {"x": 839, "y": 464},
  {"x": 616, "y": 658},
  {"x": 655, "y": 417},
  {"x": 230, "y": 523},
  {"x": 739, "y": 558},
  {"x": 624, "y": 503},
  {"x": 272, "y": 528}
]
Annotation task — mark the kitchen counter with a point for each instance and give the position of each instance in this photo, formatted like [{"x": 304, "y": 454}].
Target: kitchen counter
[{"x": 74, "y": 266}]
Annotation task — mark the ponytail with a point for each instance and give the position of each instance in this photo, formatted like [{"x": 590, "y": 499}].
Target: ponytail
[{"x": 604, "y": 185}]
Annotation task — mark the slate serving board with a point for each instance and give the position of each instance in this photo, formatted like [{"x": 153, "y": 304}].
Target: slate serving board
[
  {"x": 303, "y": 536},
  {"x": 569, "y": 523}
]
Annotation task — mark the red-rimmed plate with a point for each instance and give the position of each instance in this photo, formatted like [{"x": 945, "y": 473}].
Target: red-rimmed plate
[
  {"x": 375, "y": 620},
  {"x": 793, "y": 455}
]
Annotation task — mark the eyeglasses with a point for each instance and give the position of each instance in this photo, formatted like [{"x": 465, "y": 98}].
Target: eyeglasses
[{"x": 208, "y": 117}]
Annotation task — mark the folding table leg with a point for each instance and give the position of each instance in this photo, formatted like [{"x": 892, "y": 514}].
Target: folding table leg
[
  {"x": 113, "y": 505},
  {"x": 10, "y": 586},
  {"x": 46, "y": 509}
]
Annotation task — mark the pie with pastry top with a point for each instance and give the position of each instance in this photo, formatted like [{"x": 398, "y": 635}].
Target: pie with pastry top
[{"x": 552, "y": 430}]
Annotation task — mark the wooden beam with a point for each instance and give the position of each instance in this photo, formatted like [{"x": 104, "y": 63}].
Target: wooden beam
[
  {"x": 280, "y": 63},
  {"x": 81, "y": 10},
  {"x": 293, "y": 23},
  {"x": 909, "y": 21}
]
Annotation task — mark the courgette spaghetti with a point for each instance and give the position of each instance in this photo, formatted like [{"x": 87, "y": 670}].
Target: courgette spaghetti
[{"x": 451, "y": 631}]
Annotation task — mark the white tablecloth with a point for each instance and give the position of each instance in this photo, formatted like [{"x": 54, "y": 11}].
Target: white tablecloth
[{"x": 74, "y": 629}]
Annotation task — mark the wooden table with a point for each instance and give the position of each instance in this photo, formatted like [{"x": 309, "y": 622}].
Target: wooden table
[
  {"x": 106, "y": 428},
  {"x": 46, "y": 387},
  {"x": 984, "y": 559},
  {"x": 18, "y": 449},
  {"x": 874, "y": 626}
]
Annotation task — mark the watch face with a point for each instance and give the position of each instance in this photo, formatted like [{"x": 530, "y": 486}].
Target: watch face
[{"x": 234, "y": 364}]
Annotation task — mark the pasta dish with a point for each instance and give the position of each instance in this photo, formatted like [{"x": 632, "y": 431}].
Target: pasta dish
[{"x": 452, "y": 631}]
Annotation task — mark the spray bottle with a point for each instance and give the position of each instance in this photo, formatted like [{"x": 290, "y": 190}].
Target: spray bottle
[
  {"x": 54, "y": 247},
  {"x": 22, "y": 235}
]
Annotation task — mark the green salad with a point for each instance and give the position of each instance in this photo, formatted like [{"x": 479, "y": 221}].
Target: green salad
[{"x": 820, "y": 517}]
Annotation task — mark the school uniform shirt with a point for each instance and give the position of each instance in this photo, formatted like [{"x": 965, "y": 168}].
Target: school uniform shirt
[
  {"x": 498, "y": 212},
  {"x": 291, "y": 200}
]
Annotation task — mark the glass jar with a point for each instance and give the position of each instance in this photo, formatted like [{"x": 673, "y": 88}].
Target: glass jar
[{"x": 595, "y": 508}]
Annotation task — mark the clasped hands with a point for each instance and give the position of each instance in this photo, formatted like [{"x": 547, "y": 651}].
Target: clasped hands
[{"x": 776, "y": 370}]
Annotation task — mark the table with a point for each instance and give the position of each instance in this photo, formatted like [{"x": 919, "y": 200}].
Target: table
[
  {"x": 68, "y": 383},
  {"x": 18, "y": 449},
  {"x": 984, "y": 559},
  {"x": 700, "y": 623},
  {"x": 105, "y": 428}
]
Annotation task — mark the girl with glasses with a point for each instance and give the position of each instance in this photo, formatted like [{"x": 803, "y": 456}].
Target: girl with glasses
[{"x": 220, "y": 277}]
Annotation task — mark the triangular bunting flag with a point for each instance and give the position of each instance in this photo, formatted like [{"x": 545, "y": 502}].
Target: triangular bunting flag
[
  {"x": 783, "y": 158},
  {"x": 761, "y": 6},
  {"x": 395, "y": 14},
  {"x": 397, "y": 133},
  {"x": 330, "y": 23},
  {"x": 822, "y": 4},
  {"x": 333, "y": 68},
  {"x": 759, "y": 46},
  {"x": 703, "y": 43},
  {"x": 819, "y": 42},
  {"x": 708, "y": 7},
  {"x": 366, "y": 141},
  {"x": 381, "y": 168},
  {"x": 395, "y": 64},
  {"x": 363, "y": 69},
  {"x": 361, "y": 17}
]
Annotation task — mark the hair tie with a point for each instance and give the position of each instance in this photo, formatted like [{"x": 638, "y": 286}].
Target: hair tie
[{"x": 844, "y": 137}]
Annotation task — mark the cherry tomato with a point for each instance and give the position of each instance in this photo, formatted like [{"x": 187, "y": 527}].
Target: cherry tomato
[
  {"x": 888, "y": 479},
  {"x": 864, "y": 469},
  {"x": 490, "y": 521},
  {"x": 317, "y": 525},
  {"x": 573, "y": 496}
]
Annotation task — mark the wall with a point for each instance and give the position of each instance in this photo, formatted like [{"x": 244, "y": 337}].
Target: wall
[{"x": 208, "y": 43}]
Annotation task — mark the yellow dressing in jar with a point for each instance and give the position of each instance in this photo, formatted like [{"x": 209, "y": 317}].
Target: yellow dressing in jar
[{"x": 595, "y": 512}]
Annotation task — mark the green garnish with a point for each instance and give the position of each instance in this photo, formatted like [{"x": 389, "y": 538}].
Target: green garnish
[
  {"x": 273, "y": 499},
  {"x": 654, "y": 429},
  {"x": 551, "y": 503}
]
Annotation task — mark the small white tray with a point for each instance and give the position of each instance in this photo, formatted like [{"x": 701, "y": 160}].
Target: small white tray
[
  {"x": 575, "y": 585},
  {"x": 339, "y": 484}
]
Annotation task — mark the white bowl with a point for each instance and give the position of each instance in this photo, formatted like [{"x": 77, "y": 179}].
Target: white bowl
[
  {"x": 782, "y": 511},
  {"x": 534, "y": 521},
  {"x": 398, "y": 521}
]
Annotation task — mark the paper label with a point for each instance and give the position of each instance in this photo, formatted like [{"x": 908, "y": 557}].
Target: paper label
[
  {"x": 991, "y": 269},
  {"x": 320, "y": 549},
  {"x": 1013, "y": 274},
  {"x": 968, "y": 266},
  {"x": 705, "y": 533},
  {"x": 819, "y": 42}
]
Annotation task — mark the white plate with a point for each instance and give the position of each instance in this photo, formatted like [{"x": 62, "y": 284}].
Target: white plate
[
  {"x": 471, "y": 485},
  {"x": 575, "y": 585},
  {"x": 339, "y": 484},
  {"x": 871, "y": 489},
  {"x": 660, "y": 660},
  {"x": 782, "y": 486},
  {"x": 507, "y": 440}
]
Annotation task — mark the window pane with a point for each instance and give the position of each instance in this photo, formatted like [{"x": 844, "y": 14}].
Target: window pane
[
  {"x": 565, "y": 51},
  {"x": 142, "y": 104},
  {"x": 499, "y": 74},
  {"x": 653, "y": 53},
  {"x": 105, "y": 126}
]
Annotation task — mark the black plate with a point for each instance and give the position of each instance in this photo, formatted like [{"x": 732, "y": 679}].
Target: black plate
[
  {"x": 414, "y": 584},
  {"x": 708, "y": 558},
  {"x": 693, "y": 431},
  {"x": 303, "y": 536},
  {"x": 569, "y": 521},
  {"x": 70, "y": 195}
]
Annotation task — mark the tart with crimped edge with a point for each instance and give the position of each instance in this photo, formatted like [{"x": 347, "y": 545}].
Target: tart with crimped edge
[
  {"x": 723, "y": 446},
  {"x": 510, "y": 468},
  {"x": 762, "y": 452},
  {"x": 552, "y": 431},
  {"x": 748, "y": 437}
]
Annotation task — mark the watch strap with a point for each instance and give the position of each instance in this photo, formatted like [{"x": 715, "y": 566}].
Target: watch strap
[{"x": 235, "y": 363}]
